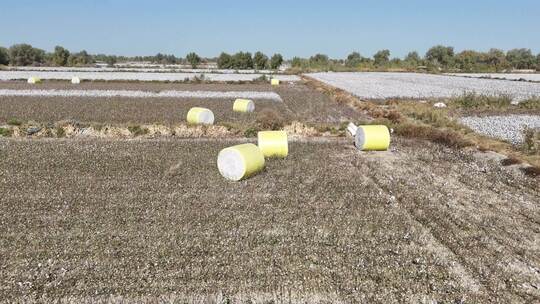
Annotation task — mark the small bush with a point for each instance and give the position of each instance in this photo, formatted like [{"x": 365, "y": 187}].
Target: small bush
[
  {"x": 269, "y": 119},
  {"x": 251, "y": 132},
  {"x": 60, "y": 132},
  {"x": 14, "y": 122},
  {"x": 138, "y": 130},
  {"x": 6, "y": 132}
]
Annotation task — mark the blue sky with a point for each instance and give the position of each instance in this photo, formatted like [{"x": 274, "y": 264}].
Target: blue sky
[{"x": 293, "y": 28}]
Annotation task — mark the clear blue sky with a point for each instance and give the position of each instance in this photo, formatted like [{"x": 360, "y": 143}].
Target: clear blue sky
[{"x": 293, "y": 28}]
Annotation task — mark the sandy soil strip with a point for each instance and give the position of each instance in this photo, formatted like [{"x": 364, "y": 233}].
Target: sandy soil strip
[{"x": 143, "y": 94}]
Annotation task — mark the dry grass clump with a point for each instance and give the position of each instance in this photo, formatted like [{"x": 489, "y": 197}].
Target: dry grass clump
[
  {"x": 530, "y": 104},
  {"x": 445, "y": 137},
  {"x": 531, "y": 171},
  {"x": 510, "y": 161},
  {"x": 476, "y": 101},
  {"x": 137, "y": 130},
  {"x": 531, "y": 142}
]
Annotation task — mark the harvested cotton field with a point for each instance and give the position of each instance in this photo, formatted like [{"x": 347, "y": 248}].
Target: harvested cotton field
[
  {"x": 154, "y": 69},
  {"x": 420, "y": 86},
  {"x": 163, "y": 103},
  {"x": 153, "y": 220},
  {"x": 138, "y": 76},
  {"x": 509, "y": 127},
  {"x": 506, "y": 76}
]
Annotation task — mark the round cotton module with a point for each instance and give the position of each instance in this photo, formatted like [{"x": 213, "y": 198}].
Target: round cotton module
[
  {"x": 273, "y": 143},
  {"x": 200, "y": 116},
  {"x": 244, "y": 106},
  {"x": 240, "y": 162},
  {"x": 274, "y": 82},
  {"x": 75, "y": 80},
  {"x": 34, "y": 80},
  {"x": 372, "y": 138}
]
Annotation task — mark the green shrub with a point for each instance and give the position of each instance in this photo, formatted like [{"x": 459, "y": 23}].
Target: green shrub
[
  {"x": 14, "y": 122},
  {"x": 251, "y": 132},
  {"x": 6, "y": 132}
]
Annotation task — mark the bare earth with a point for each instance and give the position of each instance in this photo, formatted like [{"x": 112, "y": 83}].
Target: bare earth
[{"x": 153, "y": 220}]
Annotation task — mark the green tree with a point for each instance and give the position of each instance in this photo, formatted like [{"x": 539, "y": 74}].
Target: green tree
[
  {"x": 521, "y": 58},
  {"x": 496, "y": 59},
  {"x": 4, "y": 56},
  {"x": 468, "y": 60},
  {"x": 354, "y": 59},
  {"x": 276, "y": 61},
  {"x": 80, "y": 59},
  {"x": 319, "y": 60},
  {"x": 260, "y": 61},
  {"x": 225, "y": 61},
  {"x": 60, "y": 56},
  {"x": 538, "y": 62},
  {"x": 242, "y": 61},
  {"x": 413, "y": 58},
  {"x": 381, "y": 57},
  {"x": 297, "y": 62},
  {"x": 111, "y": 60},
  {"x": 193, "y": 59},
  {"x": 441, "y": 55},
  {"x": 25, "y": 54}
]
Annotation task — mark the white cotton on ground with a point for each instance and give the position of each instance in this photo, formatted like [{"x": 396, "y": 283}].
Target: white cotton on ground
[
  {"x": 271, "y": 96},
  {"x": 231, "y": 164}
]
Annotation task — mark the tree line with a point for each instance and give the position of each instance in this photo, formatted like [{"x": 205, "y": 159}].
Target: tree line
[
  {"x": 437, "y": 58},
  {"x": 27, "y": 55}
]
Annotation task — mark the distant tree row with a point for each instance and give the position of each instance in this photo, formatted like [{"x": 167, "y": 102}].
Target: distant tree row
[
  {"x": 244, "y": 61},
  {"x": 439, "y": 57}
]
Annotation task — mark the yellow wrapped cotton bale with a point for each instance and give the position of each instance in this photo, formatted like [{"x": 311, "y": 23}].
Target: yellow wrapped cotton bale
[
  {"x": 240, "y": 162},
  {"x": 75, "y": 80},
  {"x": 275, "y": 82},
  {"x": 244, "y": 106},
  {"x": 273, "y": 143},
  {"x": 34, "y": 80},
  {"x": 372, "y": 138},
  {"x": 200, "y": 116}
]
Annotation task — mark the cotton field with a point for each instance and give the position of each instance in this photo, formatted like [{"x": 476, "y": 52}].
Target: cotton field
[
  {"x": 507, "y": 76},
  {"x": 413, "y": 85},
  {"x": 135, "y": 76},
  {"x": 150, "y": 69},
  {"x": 142, "y": 94}
]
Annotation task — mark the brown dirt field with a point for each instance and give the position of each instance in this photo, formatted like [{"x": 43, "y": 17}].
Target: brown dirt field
[
  {"x": 301, "y": 103},
  {"x": 152, "y": 220}
]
